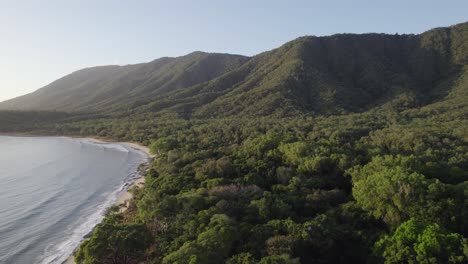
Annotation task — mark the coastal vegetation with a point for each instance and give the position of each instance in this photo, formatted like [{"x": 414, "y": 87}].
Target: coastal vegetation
[{"x": 340, "y": 149}]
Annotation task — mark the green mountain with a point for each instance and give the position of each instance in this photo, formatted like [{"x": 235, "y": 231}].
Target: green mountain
[
  {"x": 325, "y": 75},
  {"x": 110, "y": 87},
  {"x": 337, "y": 74}
]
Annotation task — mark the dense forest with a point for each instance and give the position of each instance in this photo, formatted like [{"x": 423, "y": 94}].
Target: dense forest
[{"x": 340, "y": 149}]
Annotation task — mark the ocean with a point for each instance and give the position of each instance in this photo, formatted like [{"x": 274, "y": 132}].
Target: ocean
[{"x": 54, "y": 190}]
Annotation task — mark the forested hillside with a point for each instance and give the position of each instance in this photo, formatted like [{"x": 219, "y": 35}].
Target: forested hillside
[
  {"x": 340, "y": 149},
  {"x": 110, "y": 87},
  {"x": 323, "y": 75}
]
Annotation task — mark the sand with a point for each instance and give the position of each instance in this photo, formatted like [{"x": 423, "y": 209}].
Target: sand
[{"x": 70, "y": 260}]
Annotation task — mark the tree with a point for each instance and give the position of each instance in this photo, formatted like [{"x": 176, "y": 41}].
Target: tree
[
  {"x": 279, "y": 259},
  {"x": 163, "y": 145},
  {"x": 278, "y": 245},
  {"x": 388, "y": 188},
  {"x": 211, "y": 246},
  {"x": 243, "y": 258},
  {"x": 416, "y": 242},
  {"x": 114, "y": 243}
]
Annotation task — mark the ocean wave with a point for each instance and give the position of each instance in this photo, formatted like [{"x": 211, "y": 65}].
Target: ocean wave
[
  {"x": 58, "y": 253},
  {"x": 105, "y": 145}
]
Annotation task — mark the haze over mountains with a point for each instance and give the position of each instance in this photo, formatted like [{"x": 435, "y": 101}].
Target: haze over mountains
[{"x": 325, "y": 75}]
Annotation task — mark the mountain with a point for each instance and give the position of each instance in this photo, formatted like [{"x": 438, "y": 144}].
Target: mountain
[
  {"x": 324, "y": 75},
  {"x": 336, "y": 74},
  {"x": 109, "y": 87}
]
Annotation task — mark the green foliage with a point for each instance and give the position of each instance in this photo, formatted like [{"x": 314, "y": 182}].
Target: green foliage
[
  {"x": 163, "y": 145},
  {"x": 415, "y": 242},
  {"x": 387, "y": 187},
  {"x": 114, "y": 243},
  {"x": 211, "y": 246},
  {"x": 392, "y": 190},
  {"x": 279, "y": 259},
  {"x": 243, "y": 258}
]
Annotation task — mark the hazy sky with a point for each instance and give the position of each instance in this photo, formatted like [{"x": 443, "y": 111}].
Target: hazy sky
[{"x": 42, "y": 40}]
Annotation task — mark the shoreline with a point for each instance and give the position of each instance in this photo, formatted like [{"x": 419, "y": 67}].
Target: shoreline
[
  {"x": 95, "y": 140},
  {"x": 123, "y": 199},
  {"x": 133, "y": 145}
]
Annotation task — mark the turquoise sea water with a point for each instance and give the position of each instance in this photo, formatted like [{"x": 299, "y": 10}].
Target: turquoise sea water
[{"x": 53, "y": 191}]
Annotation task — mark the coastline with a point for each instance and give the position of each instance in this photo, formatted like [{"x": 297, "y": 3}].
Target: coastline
[
  {"x": 133, "y": 145},
  {"x": 125, "y": 196},
  {"x": 96, "y": 140}
]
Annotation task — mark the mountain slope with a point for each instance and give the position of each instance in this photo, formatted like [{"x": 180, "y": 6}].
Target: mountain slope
[
  {"x": 348, "y": 73},
  {"x": 324, "y": 75},
  {"x": 110, "y": 87}
]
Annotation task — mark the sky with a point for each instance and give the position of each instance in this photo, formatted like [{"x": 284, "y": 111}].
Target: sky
[{"x": 43, "y": 40}]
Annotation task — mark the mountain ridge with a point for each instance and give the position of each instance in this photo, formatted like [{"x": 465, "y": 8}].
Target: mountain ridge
[
  {"x": 333, "y": 74},
  {"x": 122, "y": 80}
]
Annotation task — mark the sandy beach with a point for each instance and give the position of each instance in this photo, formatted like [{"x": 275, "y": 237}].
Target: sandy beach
[{"x": 126, "y": 196}]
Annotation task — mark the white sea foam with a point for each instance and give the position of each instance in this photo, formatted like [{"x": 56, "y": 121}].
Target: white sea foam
[
  {"x": 106, "y": 145},
  {"x": 78, "y": 186},
  {"x": 57, "y": 254}
]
